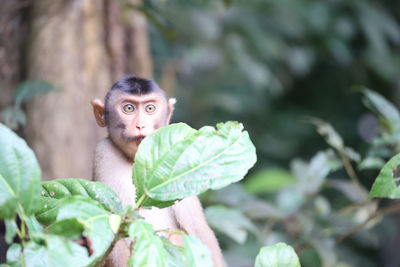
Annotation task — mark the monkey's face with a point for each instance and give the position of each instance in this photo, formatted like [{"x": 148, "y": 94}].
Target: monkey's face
[{"x": 133, "y": 117}]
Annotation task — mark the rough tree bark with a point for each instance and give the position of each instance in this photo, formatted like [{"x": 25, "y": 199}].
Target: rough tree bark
[{"x": 82, "y": 47}]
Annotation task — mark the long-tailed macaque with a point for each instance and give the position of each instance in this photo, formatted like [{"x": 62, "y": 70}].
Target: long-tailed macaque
[{"x": 134, "y": 108}]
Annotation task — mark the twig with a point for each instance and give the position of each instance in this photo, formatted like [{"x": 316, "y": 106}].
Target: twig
[
  {"x": 357, "y": 205},
  {"x": 350, "y": 171},
  {"x": 388, "y": 210}
]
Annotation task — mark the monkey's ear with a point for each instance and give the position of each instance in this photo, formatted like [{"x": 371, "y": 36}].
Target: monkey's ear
[
  {"x": 171, "y": 105},
  {"x": 98, "y": 110}
]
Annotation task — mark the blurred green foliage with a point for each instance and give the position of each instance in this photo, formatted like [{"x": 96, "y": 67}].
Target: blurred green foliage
[
  {"x": 326, "y": 217},
  {"x": 14, "y": 116},
  {"x": 271, "y": 64}
]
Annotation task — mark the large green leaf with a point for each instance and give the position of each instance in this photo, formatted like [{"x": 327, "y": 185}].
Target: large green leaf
[
  {"x": 90, "y": 215},
  {"x": 177, "y": 161},
  {"x": 56, "y": 190},
  {"x": 196, "y": 253},
  {"x": 279, "y": 255},
  {"x": 53, "y": 251},
  {"x": 19, "y": 175},
  {"x": 148, "y": 249},
  {"x": 156, "y": 146},
  {"x": 386, "y": 184}
]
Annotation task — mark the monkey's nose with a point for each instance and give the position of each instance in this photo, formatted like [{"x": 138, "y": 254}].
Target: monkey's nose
[{"x": 139, "y": 126}]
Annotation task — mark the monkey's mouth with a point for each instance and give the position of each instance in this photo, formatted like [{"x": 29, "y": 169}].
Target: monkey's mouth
[{"x": 137, "y": 139}]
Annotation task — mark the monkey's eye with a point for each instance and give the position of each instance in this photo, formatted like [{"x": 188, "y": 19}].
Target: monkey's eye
[
  {"x": 150, "y": 108},
  {"x": 128, "y": 108}
]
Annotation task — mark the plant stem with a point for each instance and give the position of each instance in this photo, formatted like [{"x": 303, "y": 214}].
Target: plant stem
[
  {"x": 350, "y": 171},
  {"x": 110, "y": 248},
  {"x": 140, "y": 201},
  {"x": 388, "y": 210},
  {"x": 22, "y": 258},
  {"x": 22, "y": 233}
]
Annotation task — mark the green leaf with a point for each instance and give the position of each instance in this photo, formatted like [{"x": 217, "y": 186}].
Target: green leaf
[
  {"x": 388, "y": 114},
  {"x": 311, "y": 176},
  {"x": 268, "y": 181},
  {"x": 196, "y": 253},
  {"x": 175, "y": 258},
  {"x": 279, "y": 255},
  {"x": 115, "y": 221},
  {"x": 11, "y": 230},
  {"x": 13, "y": 255},
  {"x": 19, "y": 175},
  {"x": 93, "y": 217},
  {"x": 54, "y": 250},
  {"x": 56, "y": 190},
  {"x": 156, "y": 146},
  {"x": 330, "y": 134},
  {"x": 176, "y": 161},
  {"x": 13, "y": 117},
  {"x": 29, "y": 89},
  {"x": 71, "y": 228},
  {"x": 290, "y": 200},
  {"x": 371, "y": 163},
  {"x": 235, "y": 196},
  {"x": 231, "y": 222},
  {"x": 33, "y": 225},
  {"x": 386, "y": 184},
  {"x": 148, "y": 249}
]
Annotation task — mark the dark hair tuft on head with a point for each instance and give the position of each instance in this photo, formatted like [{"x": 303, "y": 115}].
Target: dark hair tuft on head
[
  {"x": 135, "y": 85},
  {"x": 132, "y": 85}
]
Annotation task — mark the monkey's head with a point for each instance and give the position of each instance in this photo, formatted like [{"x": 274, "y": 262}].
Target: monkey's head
[{"x": 134, "y": 108}]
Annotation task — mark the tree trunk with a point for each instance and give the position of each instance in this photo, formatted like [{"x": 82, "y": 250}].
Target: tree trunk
[
  {"x": 12, "y": 31},
  {"x": 80, "y": 47}
]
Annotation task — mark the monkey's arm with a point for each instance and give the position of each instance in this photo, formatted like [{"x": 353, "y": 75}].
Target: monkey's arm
[
  {"x": 112, "y": 169},
  {"x": 190, "y": 217}
]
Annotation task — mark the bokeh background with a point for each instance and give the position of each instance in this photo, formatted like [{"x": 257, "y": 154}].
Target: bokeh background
[{"x": 270, "y": 64}]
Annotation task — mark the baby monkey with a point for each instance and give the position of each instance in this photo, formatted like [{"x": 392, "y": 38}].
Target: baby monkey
[{"x": 134, "y": 108}]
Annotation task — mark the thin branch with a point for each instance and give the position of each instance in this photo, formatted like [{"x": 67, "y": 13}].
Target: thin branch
[
  {"x": 350, "y": 170},
  {"x": 388, "y": 210},
  {"x": 350, "y": 208}
]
